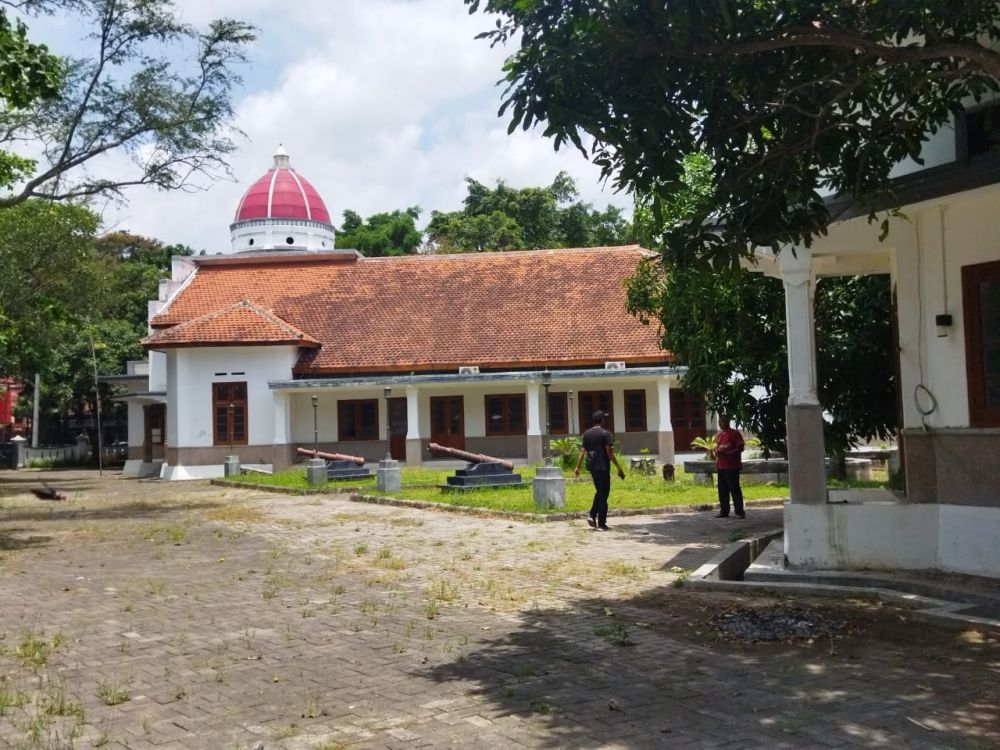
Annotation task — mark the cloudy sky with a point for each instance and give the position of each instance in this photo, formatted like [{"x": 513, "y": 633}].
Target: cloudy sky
[{"x": 381, "y": 104}]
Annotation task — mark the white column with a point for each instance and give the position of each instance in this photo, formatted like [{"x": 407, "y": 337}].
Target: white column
[
  {"x": 282, "y": 422},
  {"x": 534, "y": 410},
  {"x": 412, "y": 414},
  {"x": 663, "y": 406},
  {"x": 800, "y": 291}
]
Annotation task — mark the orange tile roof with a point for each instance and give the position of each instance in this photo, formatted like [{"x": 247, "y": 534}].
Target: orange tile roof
[
  {"x": 239, "y": 324},
  {"x": 436, "y": 312}
]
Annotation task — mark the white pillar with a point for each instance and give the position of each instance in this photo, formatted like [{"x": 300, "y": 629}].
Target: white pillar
[
  {"x": 412, "y": 414},
  {"x": 800, "y": 291},
  {"x": 664, "y": 428},
  {"x": 414, "y": 446},
  {"x": 534, "y": 410},
  {"x": 803, "y": 414},
  {"x": 282, "y": 421},
  {"x": 533, "y": 442},
  {"x": 663, "y": 406}
]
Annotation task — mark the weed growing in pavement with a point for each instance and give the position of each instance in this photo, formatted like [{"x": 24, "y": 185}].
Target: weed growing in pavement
[
  {"x": 312, "y": 708},
  {"x": 625, "y": 570},
  {"x": 736, "y": 534},
  {"x": 360, "y": 548},
  {"x": 155, "y": 587},
  {"x": 615, "y": 633},
  {"x": 681, "y": 576},
  {"x": 11, "y": 698},
  {"x": 443, "y": 591},
  {"x": 541, "y": 707},
  {"x": 34, "y": 651},
  {"x": 283, "y": 734},
  {"x": 112, "y": 692},
  {"x": 273, "y": 584},
  {"x": 162, "y": 534},
  {"x": 55, "y": 702},
  {"x": 430, "y": 609}
]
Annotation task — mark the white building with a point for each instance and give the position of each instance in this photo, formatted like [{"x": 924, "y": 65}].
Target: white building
[
  {"x": 285, "y": 340},
  {"x": 944, "y": 262}
]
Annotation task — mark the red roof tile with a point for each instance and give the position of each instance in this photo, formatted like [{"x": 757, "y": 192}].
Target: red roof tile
[
  {"x": 437, "y": 312},
  {"x": 239, "y": 324}
]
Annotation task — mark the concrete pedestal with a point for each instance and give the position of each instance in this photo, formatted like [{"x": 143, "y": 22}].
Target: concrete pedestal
[
  {"x": 548, "y": 488},
  {"x": 387, "y": 476},
  {"x": 231, "y": 466},
  {"x": 316, "y": 472},
  {"x": 806, "y": 454}
]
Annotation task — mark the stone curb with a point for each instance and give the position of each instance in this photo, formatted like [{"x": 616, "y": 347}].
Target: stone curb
[
  {"x": 718, "y": 575},
  {"x": 355, "y": 496}
]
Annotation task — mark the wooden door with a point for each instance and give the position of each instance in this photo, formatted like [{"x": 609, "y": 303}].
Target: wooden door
[
  {"x": 687, "y": 417},
  {"x": 448, "y": 421},
  {"x": 397, "y": 428}
]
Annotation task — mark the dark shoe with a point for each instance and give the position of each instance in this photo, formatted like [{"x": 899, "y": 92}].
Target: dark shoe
[
  {"x": 723, "y": 515},
  {"x": 591, "y": 522},
  {"x": 604, "y": 528},
  {"x": 742, "y": 516}
]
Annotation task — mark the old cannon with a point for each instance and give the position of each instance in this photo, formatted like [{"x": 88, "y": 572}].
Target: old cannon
[
  {"x": 339, "y": 465},
  {"x": 483, "y": 471}
]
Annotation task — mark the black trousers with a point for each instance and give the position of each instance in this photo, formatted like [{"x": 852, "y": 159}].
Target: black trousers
[
  {"x": 602, "y": 488},
  {"x": 729, "y": 484}
]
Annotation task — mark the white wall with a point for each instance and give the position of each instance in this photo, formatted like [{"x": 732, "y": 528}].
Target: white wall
[
  {"x": 886, "y": 535},
  {"x": 474, "y": 394},
  {"x": 191, "y": 372},
  {"x": 928, "y": 272}
]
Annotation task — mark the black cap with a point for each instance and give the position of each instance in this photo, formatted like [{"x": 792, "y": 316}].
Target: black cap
[{"x": 599, "y": 416}]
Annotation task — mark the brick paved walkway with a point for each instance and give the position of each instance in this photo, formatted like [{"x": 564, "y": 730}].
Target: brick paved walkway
[{"x": 230, "y": 618}]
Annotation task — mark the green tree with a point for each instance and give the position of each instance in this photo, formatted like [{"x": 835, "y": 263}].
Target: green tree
[
  {"x": 727, "y": 326},
  {"x": 50, "y": 281},
  {"x": 134, "y": 266},
  {"x": 393, "y": 233},
  {"x": 27, "y": 73},
  {"x": 133, "y": 95},
  {"x": 788, "y": 98},
  {"x": 506, "y": 218}
]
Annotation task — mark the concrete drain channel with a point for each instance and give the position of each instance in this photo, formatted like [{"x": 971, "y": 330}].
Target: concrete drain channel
[{"x": 757, "y": 565}]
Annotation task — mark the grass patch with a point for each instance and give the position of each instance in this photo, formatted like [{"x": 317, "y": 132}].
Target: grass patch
[
  {"x": 112, "y": 693},
  {"x": 235, "y": 514},
  {"x": 635, "y": 491},
  {"x": 624, "y": 570},
  {"x": 34, "y": 651}
]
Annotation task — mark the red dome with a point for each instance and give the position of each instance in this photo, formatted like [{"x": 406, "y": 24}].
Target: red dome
[{"x": 282, "y": 194}]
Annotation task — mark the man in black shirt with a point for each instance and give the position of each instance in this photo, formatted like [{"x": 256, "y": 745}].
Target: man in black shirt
[{"x": 597, "y": 450}]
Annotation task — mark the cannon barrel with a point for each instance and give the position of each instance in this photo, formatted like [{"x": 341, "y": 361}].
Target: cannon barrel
[
  {"x": 331, "y": 456},
  {"x": 474, "y": 458}
]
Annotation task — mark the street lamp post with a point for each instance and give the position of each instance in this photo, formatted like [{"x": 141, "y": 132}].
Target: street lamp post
[
  {"x": 572, "y": 422},
  {"x": 388, "y": 439},
  {"x": 546, "y": 384},
  {"x": 315, "y": 402},
  {"x": 316, "y": 467}
]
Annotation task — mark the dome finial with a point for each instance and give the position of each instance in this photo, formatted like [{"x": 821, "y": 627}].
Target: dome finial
[{"x": 280, "y": 157}]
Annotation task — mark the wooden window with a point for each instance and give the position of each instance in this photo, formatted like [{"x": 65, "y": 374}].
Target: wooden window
[
  {"x": 505, "y": 415},
  {"x": 357, "y": 419},
  {"x": 978, "y": 133},
  {"x": 981, "y": 301},
  {"x": 591, "y": 401},
  {"x": 635, "y": 411},
  {"x": 229, "y": 424},
  {"x": 558, "y": 414}
]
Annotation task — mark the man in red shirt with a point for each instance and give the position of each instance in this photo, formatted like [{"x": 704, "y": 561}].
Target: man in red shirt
[{"x": 728, "y": 462}]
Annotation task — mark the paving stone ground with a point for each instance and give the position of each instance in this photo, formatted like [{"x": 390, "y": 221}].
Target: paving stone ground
[{"x": 230, "y": 618}]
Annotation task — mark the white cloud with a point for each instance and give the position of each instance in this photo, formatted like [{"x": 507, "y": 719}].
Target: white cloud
[{"x": 382, "y": 104}]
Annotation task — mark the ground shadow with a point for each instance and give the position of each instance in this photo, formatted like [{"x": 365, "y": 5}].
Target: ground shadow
[
  {"x": 10, "y": 541},
  {"x": 653, "y": 673}
]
